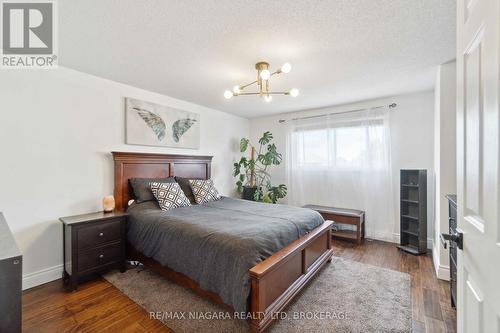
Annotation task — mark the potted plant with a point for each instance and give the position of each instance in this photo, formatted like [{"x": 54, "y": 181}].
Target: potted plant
[{"x": 254, "y": 180}]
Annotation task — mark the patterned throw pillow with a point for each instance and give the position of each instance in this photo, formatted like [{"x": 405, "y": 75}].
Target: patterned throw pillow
[
  {"x": 169, "y": 195},
  {"x": 204, "y": 190}
]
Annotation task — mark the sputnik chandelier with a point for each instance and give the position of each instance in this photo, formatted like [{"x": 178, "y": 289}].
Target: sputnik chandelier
[{"x": 263, "y": 77}]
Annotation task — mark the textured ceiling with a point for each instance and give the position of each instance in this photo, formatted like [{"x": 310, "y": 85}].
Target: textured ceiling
[{"x": 341, "y": 51}]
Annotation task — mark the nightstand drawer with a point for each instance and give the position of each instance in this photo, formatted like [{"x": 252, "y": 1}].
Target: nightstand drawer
[
  {"x": 99, "y": 256},
  {"x": 98, "y": 234}
]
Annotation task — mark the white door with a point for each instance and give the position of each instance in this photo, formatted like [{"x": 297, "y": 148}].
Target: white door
[{"x": 478, "y": 77}]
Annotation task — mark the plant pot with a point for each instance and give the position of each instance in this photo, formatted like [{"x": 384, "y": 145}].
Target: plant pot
[{"x": 248, "y": 193}]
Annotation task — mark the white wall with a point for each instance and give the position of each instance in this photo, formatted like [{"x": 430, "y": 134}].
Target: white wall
[
  {"x": 444, "y": 159},
  {"x": 412, "y": 132},
  {"x": 57, "y": 130}
]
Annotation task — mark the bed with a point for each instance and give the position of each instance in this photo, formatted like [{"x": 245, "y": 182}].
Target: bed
[{"x": 246, "y": 256}]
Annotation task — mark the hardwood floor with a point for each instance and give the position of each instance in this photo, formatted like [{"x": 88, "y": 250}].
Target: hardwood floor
[{"x": 98, "y": 306}]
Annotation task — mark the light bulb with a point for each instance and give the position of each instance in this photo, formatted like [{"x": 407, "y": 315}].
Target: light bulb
[
  {"x": 228, "y": 94},
  {"x": 265, "y": 74},
  {"x": 268, "y": 98},
  {"x": 286, "y": 68},
  {"x": 294, "y": 92},
  {"x": 236, "y": 89}
]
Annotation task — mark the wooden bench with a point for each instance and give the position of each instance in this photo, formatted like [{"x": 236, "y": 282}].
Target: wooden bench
[{"x": 343, "y": 216}]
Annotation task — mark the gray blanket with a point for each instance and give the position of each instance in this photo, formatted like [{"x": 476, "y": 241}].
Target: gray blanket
[{"x": 216, "y": 243}]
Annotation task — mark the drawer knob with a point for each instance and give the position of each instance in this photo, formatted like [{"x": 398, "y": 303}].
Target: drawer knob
[
  {"x": 101, "y": 256},
  {"x": 101, "y": 234}
]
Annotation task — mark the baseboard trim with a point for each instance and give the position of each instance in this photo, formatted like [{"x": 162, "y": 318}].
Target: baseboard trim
[
  {"x": 42, "y": 276},
  {"x": 394, "y": 238},
  {"x": 381, "y": 237},
  {"x": 442, "y": 272}
]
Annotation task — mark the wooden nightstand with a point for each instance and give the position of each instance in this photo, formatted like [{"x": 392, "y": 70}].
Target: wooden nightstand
[{"x": 93, "y": 243}]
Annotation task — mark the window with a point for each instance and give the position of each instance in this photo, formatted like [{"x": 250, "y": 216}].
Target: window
[
  {"x": 314, "y": 149},
  {"x": 352, "y": 145}
]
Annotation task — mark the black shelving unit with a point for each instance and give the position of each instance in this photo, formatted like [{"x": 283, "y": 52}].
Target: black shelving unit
[{"x": 413, "y": 211}]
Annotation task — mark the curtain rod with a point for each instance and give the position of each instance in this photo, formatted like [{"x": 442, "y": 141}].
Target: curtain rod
[{"x": 391, "y": 106}]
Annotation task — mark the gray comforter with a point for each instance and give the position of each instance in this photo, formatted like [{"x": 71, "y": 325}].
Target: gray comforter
[{"x": 216, "y": 243}]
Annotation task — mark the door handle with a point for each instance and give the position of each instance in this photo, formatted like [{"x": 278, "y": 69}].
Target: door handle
[{"x": 456, "y": 237}]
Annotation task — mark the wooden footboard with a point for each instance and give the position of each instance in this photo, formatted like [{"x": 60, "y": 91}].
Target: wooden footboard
[{"x": 276, "y": 280}]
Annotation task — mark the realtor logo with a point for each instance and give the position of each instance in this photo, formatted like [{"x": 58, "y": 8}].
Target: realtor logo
[{"x": 28, "y": 34}]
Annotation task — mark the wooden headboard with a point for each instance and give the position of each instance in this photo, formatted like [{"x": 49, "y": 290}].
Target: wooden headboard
[{"x": 143, "y": 165}]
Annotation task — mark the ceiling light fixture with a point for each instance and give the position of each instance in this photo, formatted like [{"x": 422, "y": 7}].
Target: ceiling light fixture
[{"x": 263, "y": 77}]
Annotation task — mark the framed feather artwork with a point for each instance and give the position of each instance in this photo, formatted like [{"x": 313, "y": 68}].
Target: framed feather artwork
[{"x": 158, "y": 125}]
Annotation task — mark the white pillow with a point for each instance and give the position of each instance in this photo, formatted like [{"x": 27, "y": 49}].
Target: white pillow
[
  {"x": 169, "y": 195},
  {"x": 204, "y": 190}
]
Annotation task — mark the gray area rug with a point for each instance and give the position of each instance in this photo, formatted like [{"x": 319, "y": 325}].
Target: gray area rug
[{"x": 346, "y": 296}]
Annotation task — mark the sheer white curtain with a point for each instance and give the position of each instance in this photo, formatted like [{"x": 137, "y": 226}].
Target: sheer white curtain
[{"x": 343, "y": 160}]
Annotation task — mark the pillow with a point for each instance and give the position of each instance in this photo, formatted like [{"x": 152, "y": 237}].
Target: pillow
[
  {"x": 204, "y": 190},
  {"x": 142, "y": 190},
  {"x": 169, "y": 195},
  {"x": 186, "y": 188}
]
